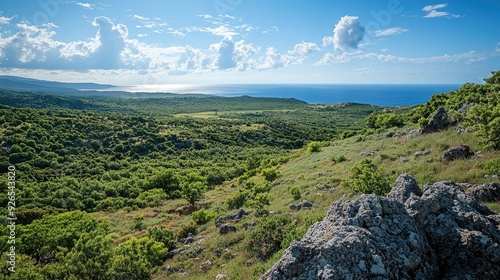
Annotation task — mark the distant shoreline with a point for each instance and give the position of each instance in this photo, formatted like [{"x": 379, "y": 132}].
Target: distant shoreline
[{"x": 374, "y": 94}]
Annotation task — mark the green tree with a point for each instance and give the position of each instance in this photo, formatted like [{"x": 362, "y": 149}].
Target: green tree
[
  {"x": 494, "y": 79},
  {"x": 193, "y": 192},
  {"x": 166, "y": 180},
  {"x": 90, "y": 257}
]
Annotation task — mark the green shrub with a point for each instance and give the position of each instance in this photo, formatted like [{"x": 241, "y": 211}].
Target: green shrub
[
  {"x": 266, "y": 239},
  {"x": 138, "y": 222},
  {"x": 238, "y": 200},
  {"x": 296, "y": 193},
  {"x": 366, "y": 178},
  {"x": 339, "y": 159},
  {"x": 314, "y": 147},
  {"x": 422, "y": 122},
  {"x": 270, "y": 174},
  {"x": 202, "y": 216},
  {"x": 163, "y": 235},
  {"x": 491, "y": 166}
]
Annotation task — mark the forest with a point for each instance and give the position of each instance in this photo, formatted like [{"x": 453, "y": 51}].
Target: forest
[{"x": 108, "y": 188}]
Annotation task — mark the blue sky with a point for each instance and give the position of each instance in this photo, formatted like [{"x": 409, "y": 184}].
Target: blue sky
[{"x": 131, "y": 42}]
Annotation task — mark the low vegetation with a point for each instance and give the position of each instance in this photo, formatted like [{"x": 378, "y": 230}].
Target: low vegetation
[{"x": 127, "y": 194}]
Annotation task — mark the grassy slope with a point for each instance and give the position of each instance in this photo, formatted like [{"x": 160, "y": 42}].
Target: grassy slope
[{"x": 305, "y": 171}]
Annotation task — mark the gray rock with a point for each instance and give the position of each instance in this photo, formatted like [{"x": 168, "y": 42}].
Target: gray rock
[
  {"x": 226, "y": 228},
  {"x": 235, "y": 217},
  {"x": 439, "y": 121},
  {"x": 485, "y": 193},
  {"x": 304, "y": 204},
  {"x": 389, "y": 134},
  {"x": 413, "y": 133},
  {"x": 460, "y": 152},
  {"x": 221, "y": 276},
  {"x": 403, "y": 188},
  {"x": 437, "y": 233},
  {"x": 421, "y": 153},
  {"x": 367, "y": 154}
]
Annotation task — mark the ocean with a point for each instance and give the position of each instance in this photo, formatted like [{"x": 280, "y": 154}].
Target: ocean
[{"x": 375, "y": 94}]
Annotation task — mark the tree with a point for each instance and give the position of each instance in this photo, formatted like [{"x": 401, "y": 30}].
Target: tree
[
  {"x": 90, "y": 257},
  {"x": 494, "y": 79},
  {"x": 193, "y": 192},
  {"x": 166, "y": 180}
]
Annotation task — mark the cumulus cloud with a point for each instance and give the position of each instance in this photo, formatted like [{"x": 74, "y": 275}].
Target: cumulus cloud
[
  {"x": 348, "y": 33},
  {"x": 225, "y": 58},
  {"x": 305, "y": 48},
  {"x": 390, "y": 31}
]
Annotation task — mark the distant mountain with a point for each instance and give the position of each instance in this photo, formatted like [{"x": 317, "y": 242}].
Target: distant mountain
[{"x": 27, "y": 84}]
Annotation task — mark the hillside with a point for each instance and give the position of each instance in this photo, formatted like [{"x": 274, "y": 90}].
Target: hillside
[{"x": 140, "y": 188}]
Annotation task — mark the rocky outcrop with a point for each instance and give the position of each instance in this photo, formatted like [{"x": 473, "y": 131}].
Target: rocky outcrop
[
  {"x": 226, "y": 228},
  {"x": 234, "y": 217},
  {"x": 436, "y": 233},
  {"x": 489, "y": 192},
  {"x": 439, "y": 121},
  {"x": 460, "y": 152},
  {"x": 304, "y": 204}
]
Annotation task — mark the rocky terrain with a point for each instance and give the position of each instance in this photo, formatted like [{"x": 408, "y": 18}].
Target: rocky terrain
[{"x": 439, "y": 232}]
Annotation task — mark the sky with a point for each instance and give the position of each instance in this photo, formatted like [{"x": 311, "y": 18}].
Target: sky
[{"x": 131, "y": 42}]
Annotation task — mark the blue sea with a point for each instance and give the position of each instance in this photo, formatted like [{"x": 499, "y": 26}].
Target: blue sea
[{"x": 375, "y": 94}]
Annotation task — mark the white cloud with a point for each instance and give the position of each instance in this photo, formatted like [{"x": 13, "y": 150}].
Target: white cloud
[
  {"x": 305, "y": 48},
  {"x": 6, "y": 20},
  {"x": 432, "y": 11},
  {"x": 141, "y": 18},
  {"x": 467, "y": 58},
  {"x": 436, "y": 14},
  {"x": 434, "y": 7},
  {"x": 225, "y": 58},
  {"x": 390, "y": 31},
  {"x": 348, "y": 33},
  {"x": 87, "y": 6}
]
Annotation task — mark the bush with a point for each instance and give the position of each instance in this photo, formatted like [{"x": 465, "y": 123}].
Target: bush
[
  {"x": 314, "y": 147},
  {"x": 267, "y": 238},
  {"x": 202, "y": 216},
  {"x": 339, "y": 159},
  {"x": 238, "y": 200},
  {"x": 163, "y": 235},
  {"x": 138, "y": 222},
  {"x": 491, "y": 166},
  {"x": 270, "y": 174},
  {"x": 422, "y": 122},
  {"x": 296, "y": 193},
  {"x": 366, "y": 178}
]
